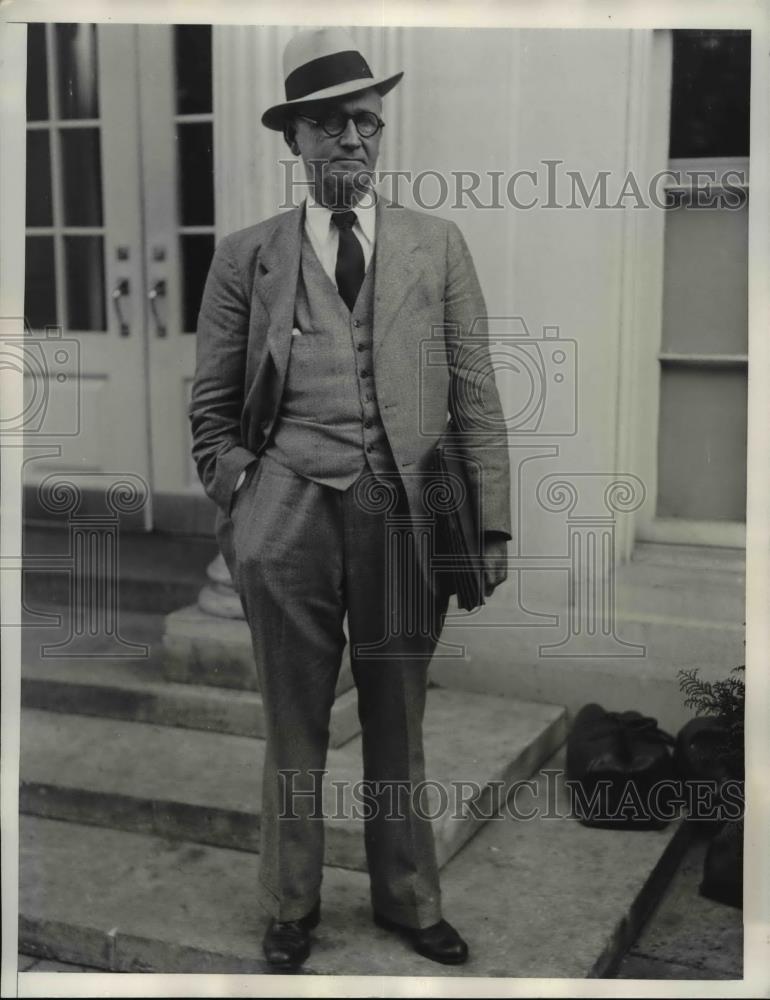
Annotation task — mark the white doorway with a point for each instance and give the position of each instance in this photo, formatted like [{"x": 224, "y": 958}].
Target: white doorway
[{"x": 120, "y": 233}]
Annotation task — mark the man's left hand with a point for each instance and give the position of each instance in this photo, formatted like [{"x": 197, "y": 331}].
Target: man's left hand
[{"x": 495, "y": 561}]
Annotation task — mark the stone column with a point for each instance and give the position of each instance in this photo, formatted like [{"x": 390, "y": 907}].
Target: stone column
[{"x": 218, "y": 596}]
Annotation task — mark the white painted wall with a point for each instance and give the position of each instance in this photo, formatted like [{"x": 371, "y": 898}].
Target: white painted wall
[
  {"x": 507, "y": 100},
  {"x": 483, "y": 100}
]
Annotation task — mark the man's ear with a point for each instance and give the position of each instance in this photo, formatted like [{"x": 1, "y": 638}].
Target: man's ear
[{"x": 290, "y": 136}]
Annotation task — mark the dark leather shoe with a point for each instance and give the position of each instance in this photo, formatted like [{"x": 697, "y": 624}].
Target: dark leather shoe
[
  {"x": 440, "y": 942},
  {"x": 286, "y": 943}
]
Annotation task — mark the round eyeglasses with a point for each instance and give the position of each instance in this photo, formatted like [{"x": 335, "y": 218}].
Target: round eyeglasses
[{"x": 367, "y": 123}]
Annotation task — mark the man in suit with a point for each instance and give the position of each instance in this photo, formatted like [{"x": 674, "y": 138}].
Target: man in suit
[{"x": 314, "y": 430}]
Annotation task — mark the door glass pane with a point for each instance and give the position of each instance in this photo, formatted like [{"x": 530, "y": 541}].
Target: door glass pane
[
  {"x": 84, "y": 270},
  {"x": 702, "y": 444},
  {"x": 196, "y": 173},
  {"x": 81, "y": 176},
  {"x": 76, "y": 55},
  {"x": 192, "y": 56},
  {"x": 39, "y": 210},
  {"x": 37, "y": 74},
  {"x": 40, "y": 282},
  {"x": 196, "y": 253},
  {"x": 710, "y": 93},
  {"x": 705, "y": 285}
]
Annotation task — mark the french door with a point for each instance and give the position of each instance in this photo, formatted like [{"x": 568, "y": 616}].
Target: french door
[{"x": 120, "y": 233}]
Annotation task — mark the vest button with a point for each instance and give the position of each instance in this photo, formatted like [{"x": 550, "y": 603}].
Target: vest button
[
  {"x": 368, "y": 424},
  {"x": 356, "y": 323},
  {"x": 364, "y": 373},
  {"x": 370, "y": 448},
  {"x": 362, "y": 347}
]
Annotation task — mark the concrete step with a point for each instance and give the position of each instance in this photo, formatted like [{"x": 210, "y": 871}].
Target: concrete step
[
  {"x": 137, "y": 692},
  {"x": 206, "y": 787},
  {"x": 540, "y": 898},
  {"x": 48, "y": 631},
  {"x": 158, "y": 572},
  {"x": 185, "y": 647},
  {"x": 678, "y": 587},
  {"x": 201, "y": 649},
  {"x": 689, "y": 936},
  {"x": 679, "y": 610}
]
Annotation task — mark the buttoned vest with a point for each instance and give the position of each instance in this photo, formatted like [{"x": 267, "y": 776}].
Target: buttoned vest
[{"x": 329, "y": 427}]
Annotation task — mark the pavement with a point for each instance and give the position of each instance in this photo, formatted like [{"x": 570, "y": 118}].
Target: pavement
[{"x": 687, "y": 936}]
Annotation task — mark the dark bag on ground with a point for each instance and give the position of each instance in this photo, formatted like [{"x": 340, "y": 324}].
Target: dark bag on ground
[
  {"x": 723, "y": 866},
  {"x": 615, "y": 764}
]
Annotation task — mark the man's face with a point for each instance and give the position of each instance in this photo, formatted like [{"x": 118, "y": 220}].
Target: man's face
[{"x": 337, "y": 166}]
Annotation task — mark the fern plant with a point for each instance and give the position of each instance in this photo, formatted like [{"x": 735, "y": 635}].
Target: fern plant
[{"x": 724, "y": 700}]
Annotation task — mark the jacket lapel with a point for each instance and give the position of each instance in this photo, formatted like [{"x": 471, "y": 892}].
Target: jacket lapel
[
  {"x": 275, "y": 282},
  {"x": 396, "y": 269}
]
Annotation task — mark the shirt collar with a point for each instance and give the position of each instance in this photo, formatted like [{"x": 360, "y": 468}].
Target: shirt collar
[{"x": 319, "y": 218}]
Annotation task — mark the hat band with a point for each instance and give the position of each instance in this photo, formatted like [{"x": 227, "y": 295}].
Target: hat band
[{"x": 326, "y": 71}]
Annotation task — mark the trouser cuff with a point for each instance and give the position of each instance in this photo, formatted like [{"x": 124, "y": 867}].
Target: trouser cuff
[
  {"x": 419, "y": 917},
  {"x": 287, "y": 909}
]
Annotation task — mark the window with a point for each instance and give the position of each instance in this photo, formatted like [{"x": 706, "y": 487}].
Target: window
[
  {"x": 703, "y": 360},
  {"x": 195, "y": 163},
  {"x": 65, "y": 280}
]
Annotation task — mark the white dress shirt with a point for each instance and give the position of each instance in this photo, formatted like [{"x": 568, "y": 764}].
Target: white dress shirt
[{"x": 325, "y": 237}]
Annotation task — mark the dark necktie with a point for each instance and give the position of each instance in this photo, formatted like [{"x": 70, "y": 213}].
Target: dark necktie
[{"x": 349, "y": 272}]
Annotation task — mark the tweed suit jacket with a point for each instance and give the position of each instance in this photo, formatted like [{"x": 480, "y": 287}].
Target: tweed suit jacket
[{"x": 427, "y": 302}]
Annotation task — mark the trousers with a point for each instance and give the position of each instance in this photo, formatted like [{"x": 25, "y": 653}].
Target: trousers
[{"x": 306, "y": 555}]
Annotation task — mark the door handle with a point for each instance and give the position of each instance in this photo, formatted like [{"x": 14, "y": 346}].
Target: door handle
[
  {"x": 157, "y": 291},
  {"x": 120, "y": 290}
]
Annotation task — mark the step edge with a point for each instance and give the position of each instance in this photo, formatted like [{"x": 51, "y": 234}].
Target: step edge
[
  {"x": 35, "y": 928},
  {"x": 644, "y": 902},
  {"x": 546, "y": 727},
  {"x": 160, "y": 687},
  {"x": 145, "y": 814},
  {"x": 36, "y": 695},
  {"x": 179, "y": 689}
]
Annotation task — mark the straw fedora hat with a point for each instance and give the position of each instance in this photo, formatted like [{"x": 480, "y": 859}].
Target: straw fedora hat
[{"x": 320, "y": 64}]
